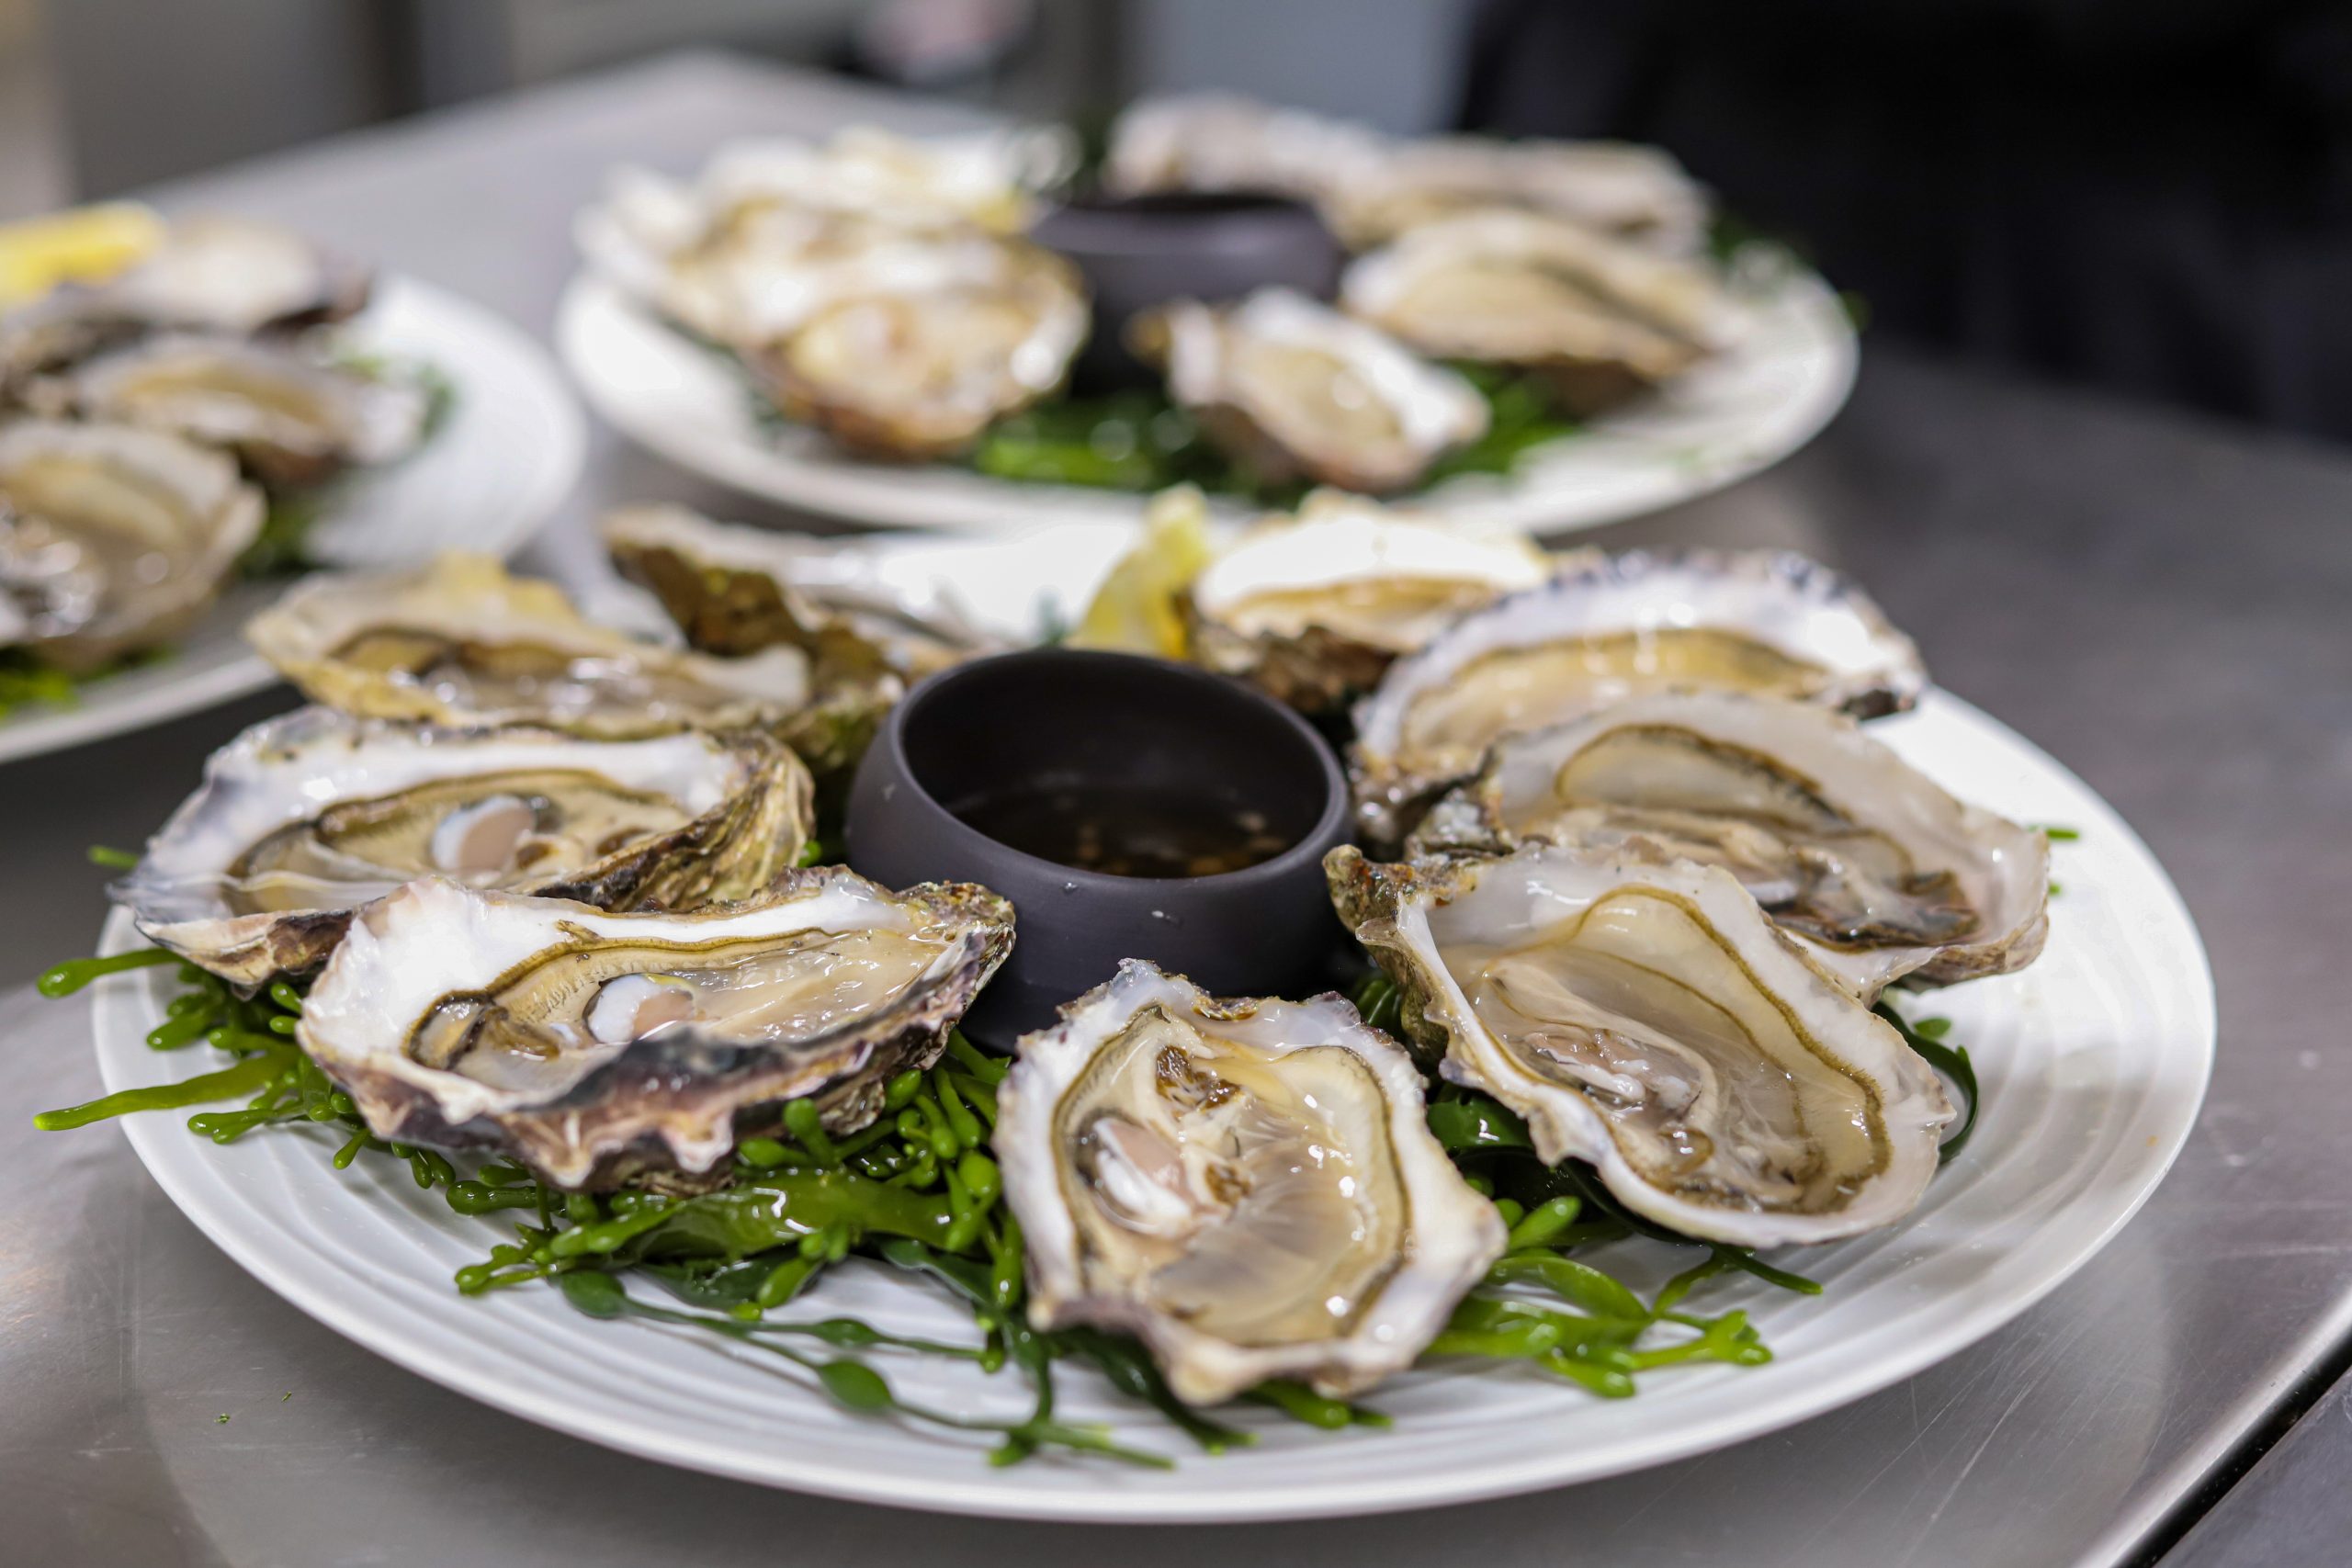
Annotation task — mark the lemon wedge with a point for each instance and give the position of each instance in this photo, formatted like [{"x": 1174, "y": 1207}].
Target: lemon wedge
[
  {"x": 82, "y": 246},
  {"x": 1135, "y": 610}
]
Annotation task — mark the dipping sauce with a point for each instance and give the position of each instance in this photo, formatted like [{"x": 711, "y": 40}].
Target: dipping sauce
[{"x": 1127, "y": 829}]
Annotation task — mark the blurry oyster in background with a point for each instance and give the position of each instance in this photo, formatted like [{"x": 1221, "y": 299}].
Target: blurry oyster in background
[
  {"x": 1601, "y": 319},
  {"x": 1291, "y": 389},
  {"x": 1649, "y": 1020},
  {"x": 292, "y": 417},
  {"x": 461, "y": 642},
  {"x": 1247, "y": 1185},
  {"x": 1609, "y": 627},
  {"x": 1314, "y": 607},
  {"x": 1847, "y": 847},
  {"x": 304, "y": 817},
  {"x": 112, "y": 538},
  {"x": 603, "y": 1048}
]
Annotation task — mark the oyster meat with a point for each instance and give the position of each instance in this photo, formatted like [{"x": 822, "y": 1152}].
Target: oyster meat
[
  {"x": 1314, "y": 608},
  {"x": 1649, "y": 1020},
  {"x": 735, "y": 591},
  {"x": 597, "y": 1048},
  {"x": 461, "y": 642},
  {"x": 1634, "y": 193},
  {"x": 1248, "y": 1186},
  {"x": 304, "y": 817},
  {"x": 294, "y": 419},
  {"x": 1850, "y": 849},
  {"x": 1607, "y": 628},
  {"x": 1603, "y": 320},
  {"x": 1292, "y": 389},
  {"x": 112, "y": 538}
]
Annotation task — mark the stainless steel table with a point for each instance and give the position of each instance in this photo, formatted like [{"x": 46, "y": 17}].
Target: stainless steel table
[{"x": 2162, "y": 603}]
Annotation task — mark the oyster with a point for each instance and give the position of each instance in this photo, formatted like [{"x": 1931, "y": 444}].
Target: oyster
[
  {"x": 1600, "y": 319},
  {"x": 1609, "y": 627},
  {"x": 112, "y": 539},
  {"x": 735, "y": 591},
  {"x": 209, "y": 275},
  {"x": 912, "y": 350},
  {"x": 868, "y": 286},
  {"x": 293, "y": 419},
  {"x": 1314, "y": 608},
  {"x": 599, "y": 1047},
  {"x": 1218, "y": 143},
  {"x": 461, "y": 642},
  {"x": 304, "y": 817},
  {"x": 1648, "y": 1019},
  {"x": 1635, "y": 193},
  {"x": 1847, "y": 847},
  {"x": 1291, "y": 388},
  {"x": 1248, "y": 1186}
]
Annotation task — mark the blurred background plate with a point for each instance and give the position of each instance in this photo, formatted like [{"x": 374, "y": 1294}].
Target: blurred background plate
[
  {"x": 506, "y": 455},
  {"x": 2093, "y": 1063},
  {"x": 1735, "y": 414}
]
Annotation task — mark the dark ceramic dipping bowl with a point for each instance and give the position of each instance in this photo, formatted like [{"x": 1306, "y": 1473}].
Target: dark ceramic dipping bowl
[
  {"x": 1137, "y": 251},
  {"x": 1034, "y": 729}
]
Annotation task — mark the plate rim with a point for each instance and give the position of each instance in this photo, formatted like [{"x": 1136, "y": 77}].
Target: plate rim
[
  {"x": 41, "y": 731},
  {"x": 873, "y": 495},
  {"x": 210, "y": 1205}
]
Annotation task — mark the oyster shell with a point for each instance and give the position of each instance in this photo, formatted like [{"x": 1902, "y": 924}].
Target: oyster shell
[
  {"x": 304, "y": 817},
  {"x": 461, "y": 642},
  {"x": 1849, "y": 848},
  {"x": 1314, "y": 608},
  {"x": 735, "y": 591},
  {"x": 1246, "y": 1185},
  {"x": 911, "y": 350},
  {"x": 1648, "y": 1019},
  {"x": 599, "y": 1047},
  {"x": 1291, "y": 388},
  {"x": 1634, "y": 193},
  {"x": 112, "y": 538},
  {"x": 294, "y": 419},
  {"x": 1601, "y": 319},
  {"x": 212, "y": 274},
  {"x": 1215, "y": 142},
  {"x": 1607, "y": 627}
]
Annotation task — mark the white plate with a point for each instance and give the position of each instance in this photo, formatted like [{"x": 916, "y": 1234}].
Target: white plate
[
  {"x": 2093, "y": 1064},
  {"x": 497, "y": 469},
  {"x": 1735, "y": 414}
]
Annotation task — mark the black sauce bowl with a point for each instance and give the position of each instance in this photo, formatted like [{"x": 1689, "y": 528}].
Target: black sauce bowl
[
  {"x": 1137, "y": 251},
  {"x": 1052, "y": 719}
]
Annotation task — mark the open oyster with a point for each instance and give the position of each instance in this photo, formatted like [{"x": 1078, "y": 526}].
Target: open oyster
[
  {"x": 1635, "y": 193},
  {"x": 112, "y": 539},
  {"x": 209, "y": 275},
  {"x": 1847, "y": 847},
  {"x": 735, "y": 591},
  {"x": 1248, "y": 1186},
  {"x": 1649, "y": 1020},
  {"x": 1601, "y": 319},
  {"x": 1314, "y": 608},
  {"x": 600, "y": 1047},
  {"x": 461, "y": 642},
  {"x": 915, "y": 347},
  {"x": 304, "y": 817},
  {"x": 1607, "y": 628},
  {"x": 1218, "y": 142},
  {"x": 1291, "y": 388},
  {"x": 295, "y": 420}
]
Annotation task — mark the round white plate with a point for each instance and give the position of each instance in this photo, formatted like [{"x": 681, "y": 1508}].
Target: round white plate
[
  {"x": 504, "y": 458},
  {"x": 2093, "y": 1064},
  {"x": 1741, "y": 411}
]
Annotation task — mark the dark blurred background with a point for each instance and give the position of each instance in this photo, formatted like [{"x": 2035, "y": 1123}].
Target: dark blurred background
[{"x": 2152, "y": 197}]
